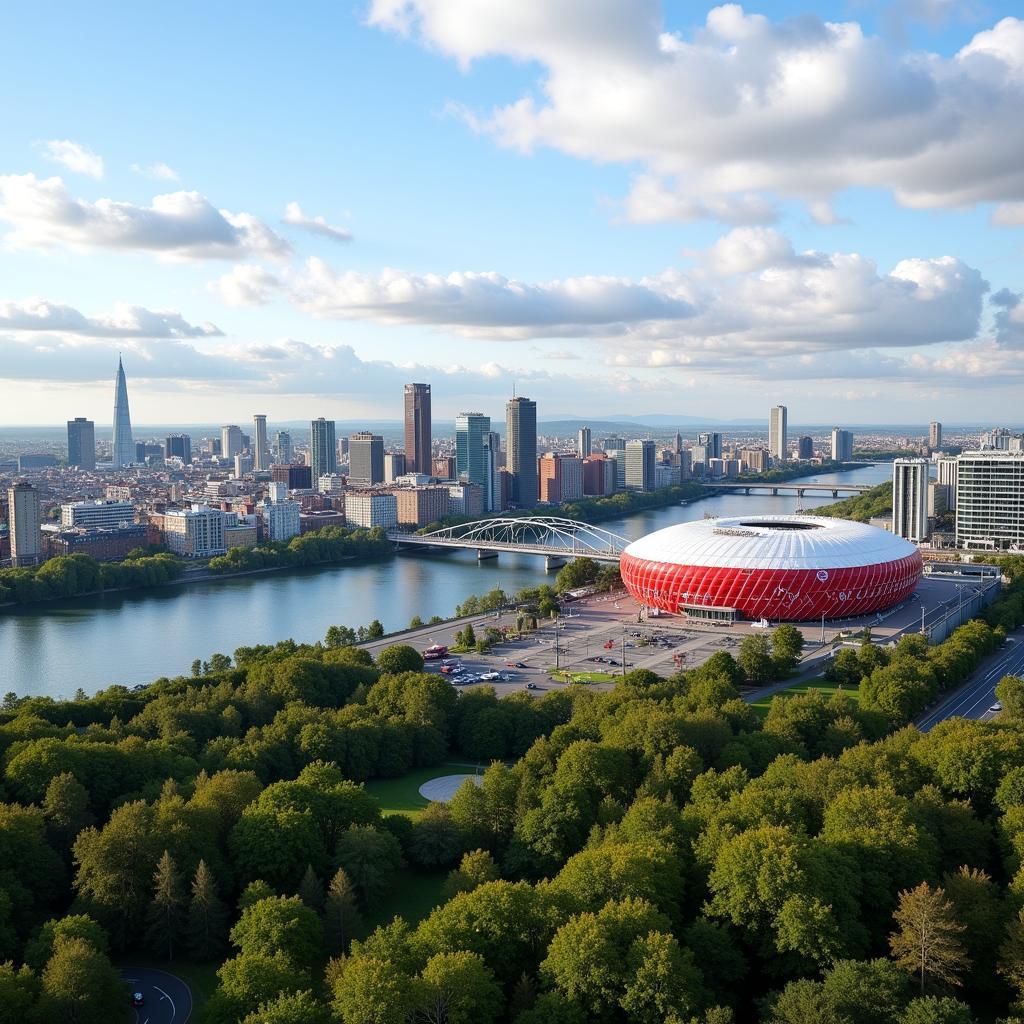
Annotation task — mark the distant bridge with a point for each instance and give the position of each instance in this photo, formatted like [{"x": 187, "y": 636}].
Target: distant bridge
[
  {"x": 557, "y": 540},
  {"x": 799, "y": 489}
]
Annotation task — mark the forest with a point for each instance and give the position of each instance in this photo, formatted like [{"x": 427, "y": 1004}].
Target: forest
[{"x": 659, "y": 852}]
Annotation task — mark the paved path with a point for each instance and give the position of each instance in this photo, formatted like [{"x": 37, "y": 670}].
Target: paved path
[
  {"x": 167, "y": 999},
  {"x": 445, "y": 787}
]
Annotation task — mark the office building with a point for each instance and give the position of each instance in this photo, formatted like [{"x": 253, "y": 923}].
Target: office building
[
  {"x": 284, "y": 451},
  {"x": 24, "y": 523},
  {"x": 521, "y": 445},
  {"x": 640, "y": 462},
  {"x": 368, "y": 509},
  {"x": 947, "y": 470},
  {"x": 990, "y": 500},
  {"x": 842, "y": 445},
  {"x": 494, "y": 443},
  {"x": 560, "y": 477},
  {"x": 490, "y": 487},
  {"x": 711, "y": 442},
  {"x": 280, "y": 515},
  {"x": 178, "y": 446},
  {"x": 805, "y": 447},
  {"x": 583, "y": 442},
  {"x": 103, "y": 544},
  {"x": 754, "y": 460},
  {"x": 677, "y": 444},
  {"x": 934, "y": 435},
  {"x": 295, "y": 478},
  {"x": 243, "y": 465},
  {"x": 938, "y": 499},
  {"x": 613, "y": 444},
  {"x": 417, "y": 428},
  {"x": 997, "y": 439},
  {"x": 322, "y": 448},
  {"x": 93, "y": 514},
  {"x": 122, "y": 452},
  {"x": 421, "y": 506},
  {"x": 466, "y": 500},
  {"x": 334, "y": 483},
  {"x": 230, "y": 441},
  {"x": 366, "y": 459},
  {"x": 82, "y": 443},
  {"x": 41, "y": 460},
  {"x": 394, "y": 466},
  {"x": 472, "y": 430},
  {"x": 777, "y": 443},
  {"x": 598, "y": 474},
  {"x": 910, "y": 499},
  {"x": 196, "y": 532},
  {"x": 261, "y": 455},
  {"x": 441, "y": 468}
]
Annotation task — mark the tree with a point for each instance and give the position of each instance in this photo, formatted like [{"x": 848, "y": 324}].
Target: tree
[
  {"x": 311, "y": 889},
  {"x": 400, "y": 658},
  {"x": 290, "y": 1008},
  {"x": 280, "y": 924},
  {"x": 928, "y": 940},
  {"x": 468, "y": 637},
  {"x": 475, "y": 868},
  {"x": 197, "y": 668},
  {"x": 370, "y": 858},
  {"x": 1010, "y": 693},
  {"x": 415, "y": 622},
  {"x": 207, "y": 916},
  {"x": 436, "y": 840},
  {"x": 372, "y": 991},
  {"x": 165, "y": 917},
  {"x": 341, "y": 915},
  {"x": 249, "y": 980},
  {"x": 936, "y": 1010},
  {"x": 40, "y": 949},
  {"x": 755, "y": 658},
  {"x": 19, "y": 988},
  {"x": 66, "y": 806},
  {"x": 1011, "y": 955},
  {"x": 458, "y": 988},
  {"x": 787, "y": 646},
  {"x": 80, "y": 986}
]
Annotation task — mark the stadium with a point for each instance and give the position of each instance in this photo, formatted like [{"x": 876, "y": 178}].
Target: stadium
[{"x": 795, "y": 567}]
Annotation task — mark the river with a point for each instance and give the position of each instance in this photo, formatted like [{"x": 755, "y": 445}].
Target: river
[{"x": 138, "y": 636}]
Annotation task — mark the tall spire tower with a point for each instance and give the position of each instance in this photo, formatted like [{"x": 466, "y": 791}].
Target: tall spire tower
[{"x": 123, "y": 450}]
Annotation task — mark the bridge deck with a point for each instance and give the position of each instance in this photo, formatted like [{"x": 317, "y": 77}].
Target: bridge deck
[{"x": 555, "y": 550}]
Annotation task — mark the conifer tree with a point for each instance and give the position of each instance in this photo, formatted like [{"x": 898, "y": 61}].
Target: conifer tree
[
  {"x": 928, "y": 941},
  {"x": 166, "y": 913},
  {"x": 207, "y": 916},
  {"x": 311, "y": 889},
  {"x": 341, "y": 915}
]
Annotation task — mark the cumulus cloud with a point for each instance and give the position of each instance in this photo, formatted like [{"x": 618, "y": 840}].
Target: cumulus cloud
[
  {"x": 246, "y": 285},
  {"x": 314, "y": 225},
  {"x": 74, "y": 157},
  {"x": 157, "y": 171},
  {"x": 653, "y": 199},
  {"x": 124, "y": 322},
  {"x": 742, "y": 104},
  {"x": 184, "y": 225}
]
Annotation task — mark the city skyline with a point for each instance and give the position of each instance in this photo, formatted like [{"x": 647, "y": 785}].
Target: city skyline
[{"x": 871, "y": 261}]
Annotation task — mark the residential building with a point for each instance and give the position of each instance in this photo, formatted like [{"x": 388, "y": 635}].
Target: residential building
[
  {"x": 243, "y": 464},
  {"x": 368, "y": 509},
  {"x": 805, "y": 447},
  {"x": 104, "y": 544},
  {"x": 997, "y": 439},
  {"x": 938, "y": 499},
  {"x": 93, "y": 514},
  {"x": 640, "y": 462},
  {"x": 394, "y": 466},
  {"x": 947, "y": 471},
  {"x": 261, "y": 455},
  {"x": 283, "y": 448},
  {"x": 122, "y": 452},
  {"x": 366, "y": 459},
  {"x": 521, "y": 443},
  {"x": 490, "y": 487},
  {"x": 417, "y": 427},
  {"x": 442, "y": 468},
  {"x": 320, "y": 519},
  {"x": 666, "y": 475},
  {"x": 230, "y": 441},
  {"x": 754, "y": 460},
  {"x": 472, "y": 430},
  {"x": 82, "y": 443},
  {"x": 333, "y": 483},
  {"x": 613, "y": 444},
  {"x": 23, "y": 523},
  {"x": 910, "y": 499},
  {"x": 178, "y": 446},
  {"x": 990, "y": 500},
  {"x": 560, "y": 477},
  {"x": 598, "y": 474},
  {"x": 412, "y": 480},
  {"x": 420, "y": 506},
  {"x": 297, "y": 478},
  {"x": 934, "y": 435},
  {"x": 583, "y": 442},
  {"x": 777, "y": 433},
  {"x": 31, "y": 460},
  {"x": 196, "y": 532},
  {"x": 280, "y": 515},
  {"x": 323, "y": 448},
  {"x": 842, "y": 445},
  {"x": 466, "y": 500}
]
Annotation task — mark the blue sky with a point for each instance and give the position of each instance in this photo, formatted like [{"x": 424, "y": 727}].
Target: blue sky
[{"x": 622, "y": 205}]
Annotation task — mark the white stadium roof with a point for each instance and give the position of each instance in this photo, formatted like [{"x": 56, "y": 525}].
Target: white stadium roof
[{"x": 772, "y": 542}]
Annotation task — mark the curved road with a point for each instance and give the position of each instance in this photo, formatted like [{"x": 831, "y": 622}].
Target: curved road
[{"x": 168, "y": 1000}]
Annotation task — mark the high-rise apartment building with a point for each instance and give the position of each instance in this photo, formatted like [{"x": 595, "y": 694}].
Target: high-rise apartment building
[
  {"x": 322, "y": 448},
  {"x": 261, "y": 455},
  {"x": 842, "y": 445},
  {"x": 122, "y": 452},
  {"x": 910, "y": 499},
  {"x": 583, "y": 442},
  {"x": 371, "y": 508},
  {"x": 417, "y": 428},
  {"x": 178, "y": 446},
  {"x": 805, "y": 447},
  {"x": 777, "y": 425},
  {"x": 947, "y": 470},
  {"x": 366, "y": 459},
  {"x": 24, "y": 523},
  {"x": 598, "y": 474},
  {"x": 641, "y": 457},
  {"x": 230, "y": 441},
  {"x": 711, "y": 441},
  {"x": 281, "y": 515},
  {"x": 560, "y": 477},
  {"x": 283, "y": 448},
  {"x": 472, "y": 430},
  {"x": 394, "y": 466},
  {"x": 96, "y": 514},
  {"x": 82, "y": 443},
  {"x": 996, "y": 439},
  {"x": 754, "y": 460},
  {"x": 295, "y": 478},
  {"x": 934, "y": 435},
  {"x": 521, "y": 446},
  {"x": 990, "y": 499},
  {"x": 613, "y": 444}
]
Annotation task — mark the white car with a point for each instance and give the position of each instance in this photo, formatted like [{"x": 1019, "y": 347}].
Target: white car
[
  {"x": 997, "y": 707},
  {"x": 490, "y": 675}
]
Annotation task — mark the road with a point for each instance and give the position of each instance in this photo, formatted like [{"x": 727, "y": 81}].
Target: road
[
  {"x": 168, "y": 1000},
  {"x": 977, "y": 695}
]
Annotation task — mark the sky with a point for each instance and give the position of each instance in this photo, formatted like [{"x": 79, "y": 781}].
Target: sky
[{"x": 612, "y": 206}]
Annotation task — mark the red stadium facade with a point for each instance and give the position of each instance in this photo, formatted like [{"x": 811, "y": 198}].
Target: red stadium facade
[{"x": 773, "y": 567}]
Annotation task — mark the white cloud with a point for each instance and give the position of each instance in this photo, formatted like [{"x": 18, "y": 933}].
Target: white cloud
[
  {"x": 315, "y": 225},
  {"x": 74, "y": 157},
  {"x": 246, "y": 285},
  {"x": 744, "y": 104},
  {"x": 157, "y": 171},
  {"x": 184, "y": 225},
  {"x": 652, "y": 199},
  {"x": 746, "y": 249},
  {"x": 1008, "y": 215},
  {"x": 124, "y": 322}
]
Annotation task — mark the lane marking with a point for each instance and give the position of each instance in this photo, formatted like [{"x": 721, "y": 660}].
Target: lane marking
[{"x": 174, "y": 1012}]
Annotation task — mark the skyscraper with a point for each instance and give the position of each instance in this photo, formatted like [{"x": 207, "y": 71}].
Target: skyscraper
[
  {"x": 521, "y": 447},
  {"x": 82, "y": 443},
  {"x": 23, "y": 521},
  {"x": 283, "y": 447},
  {"x": 640, "y": 461},
  {"x": 990, "y": 499},
  {"x": 366, "y": 459},
  {"x": 178, "y": 446},
  {"x": 805, "y": 447},
  {"x": 123, "y": 449},
  {"x": 583, "y": 442},
  {"x": 777, "y": 433},
  {"x": 471, "y": 435},
  {"x": 842, "y": 444},
  {"x": 677, "y": 444},
  {"x": 910, "y": 499},
  {"x": 712, "y": 442},
  {"x": 230, "y": 441},
  {"x": 323, "y": 450},
  {"x": 934, "y": 434},
  {"x": 261, "y": 457},
  {"x": 417, "y": 428}
]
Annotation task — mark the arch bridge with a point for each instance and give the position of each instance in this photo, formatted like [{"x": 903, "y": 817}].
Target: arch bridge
[{"x": 556, "y": 539}]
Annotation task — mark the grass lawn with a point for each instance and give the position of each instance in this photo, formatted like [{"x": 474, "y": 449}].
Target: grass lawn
[
  {"x": 402, "y": 795},
  {"x": 584, "y": 677},
  {"x": 414, "y": 893},
  {"x": 200, "y": 978},
  {"x": 825, "y": 688}
]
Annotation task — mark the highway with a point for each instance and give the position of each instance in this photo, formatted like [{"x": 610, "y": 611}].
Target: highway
[
  {"x": 167, "y": 999},
  {"x": 977, "y": 695}
]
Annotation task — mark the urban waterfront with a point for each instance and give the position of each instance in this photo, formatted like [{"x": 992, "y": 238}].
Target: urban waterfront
[{"x": 52, "y": 649}]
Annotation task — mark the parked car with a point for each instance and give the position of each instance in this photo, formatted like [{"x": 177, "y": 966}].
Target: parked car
[{"x": 532, "y": 686}]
